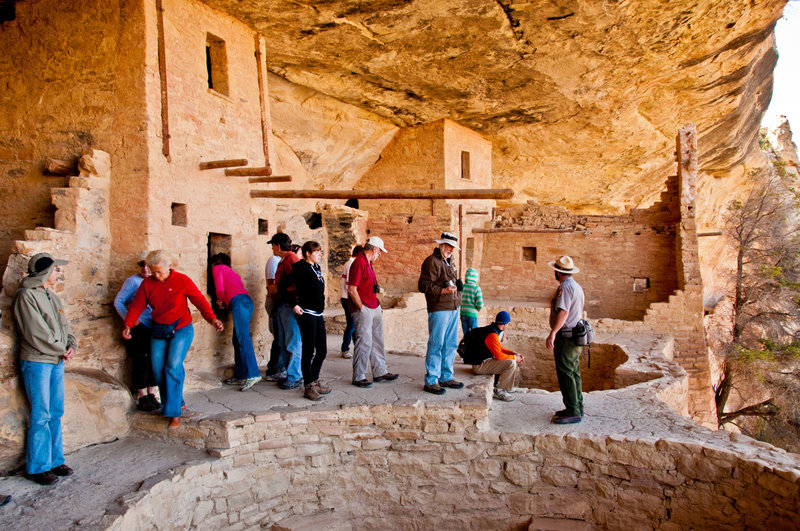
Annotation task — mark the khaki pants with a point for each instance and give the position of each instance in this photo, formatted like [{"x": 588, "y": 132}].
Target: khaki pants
[{"x": 507, "y": 369}]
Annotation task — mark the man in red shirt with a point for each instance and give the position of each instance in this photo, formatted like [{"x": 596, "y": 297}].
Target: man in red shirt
[{"x": 362, "y": 289}]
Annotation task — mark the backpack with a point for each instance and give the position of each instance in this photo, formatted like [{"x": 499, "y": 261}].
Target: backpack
[
  {"x": 583, "y": 333},
  {"x": 472, "y": 347}
]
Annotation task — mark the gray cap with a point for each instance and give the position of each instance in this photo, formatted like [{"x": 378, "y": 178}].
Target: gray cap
[{"x": 41, "y": 262}]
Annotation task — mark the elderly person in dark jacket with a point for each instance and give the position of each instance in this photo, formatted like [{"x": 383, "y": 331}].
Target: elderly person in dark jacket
[
  {"x": 439, "y": 282},
  {"x": 47, "y": 343}
]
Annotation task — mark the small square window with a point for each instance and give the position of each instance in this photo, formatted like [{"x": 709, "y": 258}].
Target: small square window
[
  {"x": 641, "y": 284},
  {"x": 179, "y": 215},
  {"x": 263, "y": 226},
  {"x": 465, "y": 169},
  {"x": 529, "y": 254},
  {"x": 216, "y": 64}
]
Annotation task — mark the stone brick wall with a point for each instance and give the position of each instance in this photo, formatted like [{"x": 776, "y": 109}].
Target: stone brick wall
[
  {"x": 63, "y": 93},
  {"x": 418, "y": 465},
  {"x": 610, "y": 251},
  {"x": 409, "y": 240}
]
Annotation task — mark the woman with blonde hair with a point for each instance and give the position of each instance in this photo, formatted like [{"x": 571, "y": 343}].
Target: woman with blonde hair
[{"x": 166, "y": 292}]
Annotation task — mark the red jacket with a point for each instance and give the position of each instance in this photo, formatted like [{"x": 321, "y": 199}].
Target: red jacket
[{"x": 168, "y": 301}]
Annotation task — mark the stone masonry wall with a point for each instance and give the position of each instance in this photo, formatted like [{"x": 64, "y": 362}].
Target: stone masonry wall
[
  {"x": 417, "y": 466},
  {"x": 409, "y": 240},
  {"x": 205, "y": 125},
  {"x": 610, "y": 251},
  {"x": 71, "y": 80}
]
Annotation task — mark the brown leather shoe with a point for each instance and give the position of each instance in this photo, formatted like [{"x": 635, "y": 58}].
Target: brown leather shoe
[
  {"x": 312, "y": 393},
  {"x": 321, "y": 389},
  {"x": 174, "y": 423}
]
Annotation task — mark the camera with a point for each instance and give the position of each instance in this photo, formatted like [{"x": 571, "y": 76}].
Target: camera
[{"x": 376, "y": 289}]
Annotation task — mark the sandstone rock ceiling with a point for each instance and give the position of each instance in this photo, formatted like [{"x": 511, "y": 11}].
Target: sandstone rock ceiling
[{"x": 581, "y": 99}]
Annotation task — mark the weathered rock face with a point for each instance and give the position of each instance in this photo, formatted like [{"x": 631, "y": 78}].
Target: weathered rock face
[{"x": 588, "y": 93}]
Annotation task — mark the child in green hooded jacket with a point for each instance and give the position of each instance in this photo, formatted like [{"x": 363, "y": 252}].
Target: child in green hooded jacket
[{"x": 471, "y": 301}]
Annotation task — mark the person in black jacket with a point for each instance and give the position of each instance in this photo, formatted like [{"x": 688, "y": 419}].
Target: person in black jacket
[{"x": 308, "y": 304}]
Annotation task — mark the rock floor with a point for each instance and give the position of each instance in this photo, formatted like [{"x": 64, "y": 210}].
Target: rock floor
[{"x": 106, "y": 473}]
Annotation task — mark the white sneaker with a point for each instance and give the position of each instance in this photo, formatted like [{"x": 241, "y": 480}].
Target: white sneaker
[
  {"x": 248, "y": 383},
  {"x": 503, "y": 395},
  {"x": 346, "y": 354}
]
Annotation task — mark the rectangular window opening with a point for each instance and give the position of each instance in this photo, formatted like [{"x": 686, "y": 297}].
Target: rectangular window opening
[
  {"x": 465, "y": 169},
  {"x": 641, "y": 284},
  {"x": 263, "y": 226},
  {"x": 217, "y": 64},
  {"x": 529, "y": 254},
  {"x": 180, "y": 216}
]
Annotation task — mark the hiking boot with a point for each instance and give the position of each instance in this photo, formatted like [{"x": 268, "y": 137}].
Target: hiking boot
[
  {"x": 312, "y": 394},
  {"x": 234, "y": 381},
  {"x": 62, "y": 470},
  {"x": 435, "y": 389},
  {"x": 278, "y": 377},
  {"x": 452, "y": 384},
  {"x": 286, "y": 385},
  {"x": 566, "y": 420},
  {"x": 43, "y": 478},
  {"x": 565, "y": 413},
  {"x": 321, "y": 389},
  {"x": 174, "y": 423},
  {"x": 346, "y": 354},
  {"x": 366, "y": 384},
  {"x": 248, "y": 383},
  {"x": 503, "y": 395},
  {"x": 388, "y": 377}
]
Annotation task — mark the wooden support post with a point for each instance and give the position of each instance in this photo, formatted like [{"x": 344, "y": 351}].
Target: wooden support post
[
  {"x": 271, "y": 179},
  {"x": 214, "y": 164},
  {"x": 262, "y": 102},
  {"x": 248, "y": 172},
  {"x": 487, "y": 193},
  {"x": 162, "y": 74}
]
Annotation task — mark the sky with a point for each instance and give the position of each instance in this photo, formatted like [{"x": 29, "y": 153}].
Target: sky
[{"x": 786, "y": 90}]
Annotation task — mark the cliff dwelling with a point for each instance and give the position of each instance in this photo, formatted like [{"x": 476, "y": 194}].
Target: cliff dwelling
[{"x": 611, "y": 131}]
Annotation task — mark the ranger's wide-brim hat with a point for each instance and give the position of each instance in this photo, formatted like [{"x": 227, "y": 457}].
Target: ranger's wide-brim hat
[{"x": 564, "y": 265}]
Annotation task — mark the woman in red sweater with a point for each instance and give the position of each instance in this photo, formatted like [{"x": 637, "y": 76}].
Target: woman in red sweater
[{"x": 166, "y": 291}]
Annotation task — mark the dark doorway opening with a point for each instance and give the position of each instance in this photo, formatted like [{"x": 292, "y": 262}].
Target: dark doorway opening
[{"x": 217, "y": 243}]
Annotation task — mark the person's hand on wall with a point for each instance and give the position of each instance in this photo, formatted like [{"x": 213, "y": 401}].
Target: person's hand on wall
[{"x": 216, "y": 323}]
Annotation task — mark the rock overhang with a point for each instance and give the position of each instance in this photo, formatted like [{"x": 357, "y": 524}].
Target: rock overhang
[{"x": 586, "y": 91}]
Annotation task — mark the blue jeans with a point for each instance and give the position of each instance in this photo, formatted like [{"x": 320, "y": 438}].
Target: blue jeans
[
  {"x": 442, "y": 343},
  {"x": 44, "y": 384},
  {"x": 349, "y": 327},
  {"x": 167, "y": 356},
  {"x": 468, "y": 323},
  {"x": 244, "y": 356},
  {"x": 291, "y": 343}
]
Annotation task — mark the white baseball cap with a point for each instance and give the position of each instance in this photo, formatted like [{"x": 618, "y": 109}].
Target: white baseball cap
[{"x": 377, "y": 242}]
